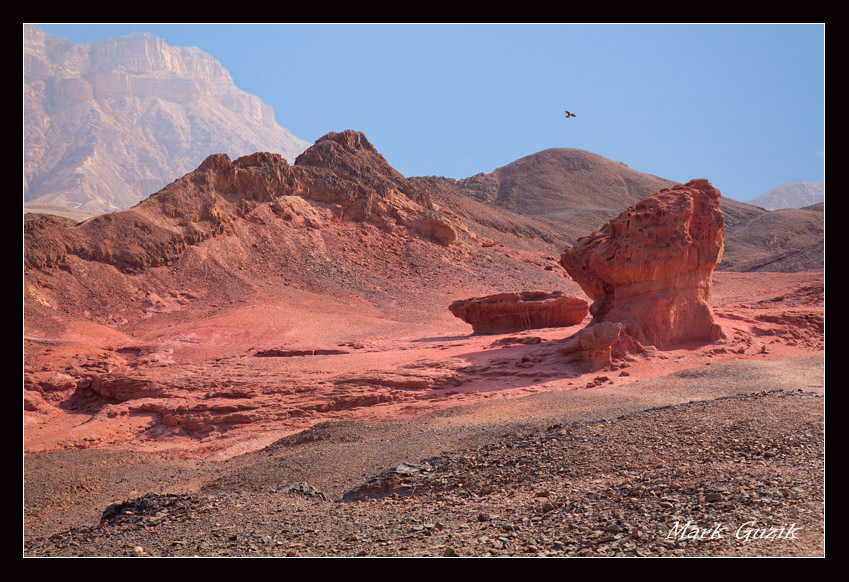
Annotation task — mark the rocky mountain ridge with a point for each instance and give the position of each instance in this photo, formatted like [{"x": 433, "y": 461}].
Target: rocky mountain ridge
[
  {"x": 109, "y": 122},
  {"x": 342, "y": 177}
]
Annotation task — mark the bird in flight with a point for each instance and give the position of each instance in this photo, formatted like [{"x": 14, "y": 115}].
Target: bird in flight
[{"x": 568, "y": 115}]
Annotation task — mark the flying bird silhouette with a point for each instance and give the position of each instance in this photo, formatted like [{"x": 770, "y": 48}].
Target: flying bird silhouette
[{"x": 568, "y": 115}]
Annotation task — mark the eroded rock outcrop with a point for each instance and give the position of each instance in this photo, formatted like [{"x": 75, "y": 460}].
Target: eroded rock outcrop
[
  {"x": 340, "y": 178},
  {"x": 650, "y": 267},
  {"x": 509, "y": 312},
  {"x": 593, "y": 345},
  {"x": 344, "y": 168}
]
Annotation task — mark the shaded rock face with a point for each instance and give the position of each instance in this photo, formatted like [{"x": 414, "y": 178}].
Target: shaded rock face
[
  {"x": 650, "y": 267},
  {"x": 352, "y": 157},
  {"x": 345, "y": 168},
  {"x": 509, "y": 312}
]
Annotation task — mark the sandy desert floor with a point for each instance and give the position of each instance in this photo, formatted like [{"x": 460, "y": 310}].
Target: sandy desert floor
[{"x": 381, "y": 436}]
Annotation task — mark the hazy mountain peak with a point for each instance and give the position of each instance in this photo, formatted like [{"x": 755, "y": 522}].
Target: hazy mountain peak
[
  {"x": 111, "y": 121},
  {"x": 793, "y": 194}
]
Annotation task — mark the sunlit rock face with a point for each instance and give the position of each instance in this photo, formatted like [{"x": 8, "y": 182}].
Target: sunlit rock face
[
  {"x": 650, "y": 267},
  {"x": 110, "y": 122}
]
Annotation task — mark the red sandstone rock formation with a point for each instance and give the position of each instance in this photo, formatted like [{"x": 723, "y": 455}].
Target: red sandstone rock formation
[
  {"x": 342, "y": 177},
  {"x": 507, "y": 312},
  {"x": 593, "y": 345},
  {"x": 650, "y": 268}
]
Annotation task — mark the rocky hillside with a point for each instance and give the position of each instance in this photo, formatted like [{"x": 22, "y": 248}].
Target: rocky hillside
[
  {"x": 787, "y": 240},
  {"x": 340, "y": 222},
  {"x": 573, "y": 192},
  {"x": 577, "y": 189},
  {"x": 108, "y": 123}
]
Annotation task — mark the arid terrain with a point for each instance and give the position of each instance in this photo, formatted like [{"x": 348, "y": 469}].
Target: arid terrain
[
  {"x": 259, "y": 359},
  {"x": 106, "y": 123}
]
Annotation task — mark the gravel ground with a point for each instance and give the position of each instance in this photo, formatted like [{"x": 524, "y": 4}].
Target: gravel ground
[{"x": 738, "y": 475}]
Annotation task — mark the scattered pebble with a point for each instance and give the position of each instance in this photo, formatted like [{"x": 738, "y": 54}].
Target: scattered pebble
[{"x": 616, "y": 488}]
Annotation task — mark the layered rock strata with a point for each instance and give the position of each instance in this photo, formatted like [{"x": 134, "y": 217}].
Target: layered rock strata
[
  {"x": 650, "y": 267},
  {"x": 509, "y": 312}
]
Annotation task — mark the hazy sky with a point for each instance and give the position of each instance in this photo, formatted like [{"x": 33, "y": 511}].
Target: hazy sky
[{"x": 742, "y": 105}]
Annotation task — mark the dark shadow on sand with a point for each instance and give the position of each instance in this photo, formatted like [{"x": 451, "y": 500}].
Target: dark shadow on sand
[{"x": 447, "y": 338}]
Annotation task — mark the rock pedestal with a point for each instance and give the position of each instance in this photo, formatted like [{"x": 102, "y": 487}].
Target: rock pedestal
[{"x": 650, "y": 267}]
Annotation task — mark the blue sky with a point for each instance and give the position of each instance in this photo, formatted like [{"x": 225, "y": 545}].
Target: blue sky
[{"x": 742, "y": 105}]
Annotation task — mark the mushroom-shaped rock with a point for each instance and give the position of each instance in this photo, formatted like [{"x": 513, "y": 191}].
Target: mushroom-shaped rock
[{"x": 650, "y": 267}]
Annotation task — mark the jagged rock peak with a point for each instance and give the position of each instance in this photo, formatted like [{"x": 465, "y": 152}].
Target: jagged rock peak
[
  {"x": 350, "y": 156},
  {"x": 356, "y": 140},
  {"x": 261, "y": 159},
  {"x": 334, "y": 147}
]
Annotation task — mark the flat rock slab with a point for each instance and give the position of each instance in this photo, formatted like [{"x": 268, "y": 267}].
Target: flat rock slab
[{"x": 510, "y": 312}]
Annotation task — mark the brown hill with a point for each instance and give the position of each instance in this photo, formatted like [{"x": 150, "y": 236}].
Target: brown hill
[
  {"x": 109, "y": 122},
  {"x": 575, "y": 188},
  {"x": 786, "y": 240},
  {"x": 571, "y": 193}
]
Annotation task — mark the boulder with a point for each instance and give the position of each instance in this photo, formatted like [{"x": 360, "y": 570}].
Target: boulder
[
  {"x": 650, "y": 267},
  {"x": 593, "y": 345},
  {"x": 509, "y": 312}
]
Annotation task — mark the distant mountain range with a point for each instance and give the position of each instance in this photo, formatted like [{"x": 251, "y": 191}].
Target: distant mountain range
[
  {"x": 110, "y": 122},
  {"x": 795, "y": 194}
]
